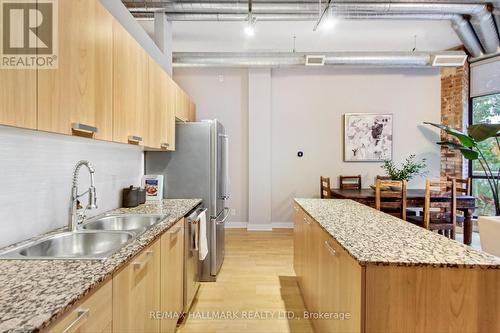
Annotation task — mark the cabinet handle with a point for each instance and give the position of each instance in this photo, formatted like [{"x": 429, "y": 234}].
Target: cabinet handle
[
  {"x": 330, "y": 249},
  {"x": 164, "y": 145},
  {"x": 139, "y": 264},
  {"x": 134, "y": 138},
  {"x": 79, "y": 127},
  {"x": 82, "y": 317},
  {"x": 306, "y": 220}
]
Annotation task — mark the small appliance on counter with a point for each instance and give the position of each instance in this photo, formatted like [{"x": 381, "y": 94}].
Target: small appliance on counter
[{"x": 133, "y": 196}]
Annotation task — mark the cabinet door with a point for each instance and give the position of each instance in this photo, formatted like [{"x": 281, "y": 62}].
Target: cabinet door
[
  {"x": 172, "y": 275},
  {"x": 339, "y": 287},
  {"x": 136, "y": 293},
  {"x": 18, "y": 97},
  {"x": 94, "y": 315},
  {"x": 192, "y": 111},
  {"x": 298, "y": 246},
  {"x": 130, "y": 83},
  {"x": 181, "y": 106},
  {"x": 79, "y": 91},
  {"x": 155, "y": 114},
  {"x": 170, "y": 115}
]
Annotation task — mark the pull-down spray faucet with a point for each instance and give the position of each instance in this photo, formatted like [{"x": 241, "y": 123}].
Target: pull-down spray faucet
[{"x": 74, "y": 217}]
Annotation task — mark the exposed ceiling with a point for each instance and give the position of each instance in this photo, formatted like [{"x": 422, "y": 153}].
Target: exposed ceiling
[{"x": 346, "y": 35}]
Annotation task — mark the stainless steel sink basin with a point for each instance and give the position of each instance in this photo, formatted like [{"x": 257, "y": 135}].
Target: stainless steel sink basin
[
  {"x": 72, "y": 245},
  {"x": 126, "y": 222}
]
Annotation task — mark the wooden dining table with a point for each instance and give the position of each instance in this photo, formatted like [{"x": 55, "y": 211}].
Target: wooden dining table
[{"x": 414, "y": 198}]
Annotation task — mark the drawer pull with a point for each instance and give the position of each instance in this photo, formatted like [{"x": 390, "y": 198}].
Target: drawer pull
[
  {"x": 165, "y": 145},
  {"x": 134, "y": 138},
  {"x": 139, "y": 264},
  {"x": 84, "y": 128},
  {"x": 306, "y": 221},
  {"x": 330, "y": 249},
  {"x": 82, "y": 317}
]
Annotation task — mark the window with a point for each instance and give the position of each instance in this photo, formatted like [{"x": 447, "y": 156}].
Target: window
[{"x": 485, "y": 109}]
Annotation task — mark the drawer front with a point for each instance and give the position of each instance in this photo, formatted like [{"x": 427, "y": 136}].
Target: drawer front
[{"x": 92, "y": 315}]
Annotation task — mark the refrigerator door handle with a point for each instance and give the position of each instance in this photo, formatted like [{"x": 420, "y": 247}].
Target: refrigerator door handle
[
  {"x": 225, "y": 167},
  {"x": 227, "y": 210}
]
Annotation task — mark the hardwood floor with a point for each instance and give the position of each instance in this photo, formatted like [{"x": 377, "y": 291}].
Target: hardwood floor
[{"x": 256, "y": 289}]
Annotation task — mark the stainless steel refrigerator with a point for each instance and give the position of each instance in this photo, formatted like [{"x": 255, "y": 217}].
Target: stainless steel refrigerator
[{"x": 199, "y": 169}]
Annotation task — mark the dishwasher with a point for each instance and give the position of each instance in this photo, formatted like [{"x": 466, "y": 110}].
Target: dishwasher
[{"x": 191, "y": 256}]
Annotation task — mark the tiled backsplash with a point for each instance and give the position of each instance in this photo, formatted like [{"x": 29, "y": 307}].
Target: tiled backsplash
[{"x": 36, "y": 173}]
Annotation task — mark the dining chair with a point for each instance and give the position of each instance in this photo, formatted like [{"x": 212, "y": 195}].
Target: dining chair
[
  {"x": 326, "y": 191},
  {"x": 392, "y": 201},
  {"x": 463, "y": 188},
  {"x": 440, "y": 210},
  {"x": 350, "y": 182}
]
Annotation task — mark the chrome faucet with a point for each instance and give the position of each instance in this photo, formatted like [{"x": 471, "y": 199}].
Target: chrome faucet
[{"x": 76, "y": 218}]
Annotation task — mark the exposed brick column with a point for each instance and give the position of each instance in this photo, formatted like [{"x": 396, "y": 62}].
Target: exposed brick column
[{"x": 454, "y": 113}]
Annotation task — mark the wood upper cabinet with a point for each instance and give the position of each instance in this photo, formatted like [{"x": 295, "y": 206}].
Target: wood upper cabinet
[
  {"x": 155, "y": 114},
  {"x": 136, "y": 293},
  {"x": 169, "y": 122},
  {"x": 192, "y": 111},
  {"x": 93, "y": 315},
  {"x": 181, "y": 104},
  {"x": 80, "y": 89},
  {"x": 18, "y": 97},
  {"x": 130, "y": 84},
  {"x": 172, "y": 275}
]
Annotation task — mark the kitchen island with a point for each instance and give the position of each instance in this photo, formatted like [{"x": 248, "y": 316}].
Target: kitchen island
[
  {"x": 36, "y": 294},
  {"x": 361, "y": 270}
]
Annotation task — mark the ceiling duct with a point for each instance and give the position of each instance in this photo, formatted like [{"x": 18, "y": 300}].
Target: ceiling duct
[
  {"x": 480, "y": 18},
  {"x": 367, "y": 59}
]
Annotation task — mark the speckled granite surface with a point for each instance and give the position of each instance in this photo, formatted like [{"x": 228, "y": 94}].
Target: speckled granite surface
[
  {"x": 373, "y": 237},
  {"x": 33, "y": 293}
]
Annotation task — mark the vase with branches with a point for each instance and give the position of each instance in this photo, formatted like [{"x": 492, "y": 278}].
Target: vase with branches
[
  {"x": 408, "y": 170},
  {"x": 468, "y": 145}
]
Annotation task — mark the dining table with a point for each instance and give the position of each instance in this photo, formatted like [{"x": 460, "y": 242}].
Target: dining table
[{"x": 414, "y": 198}]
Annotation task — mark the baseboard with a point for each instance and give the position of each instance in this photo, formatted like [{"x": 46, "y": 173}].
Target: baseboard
[
  {"x": 270, "y": 226},
  {"x": 282, "y": 225},
  {"x": 259, "y": 227},
  {"x": 236, "y": 225}
]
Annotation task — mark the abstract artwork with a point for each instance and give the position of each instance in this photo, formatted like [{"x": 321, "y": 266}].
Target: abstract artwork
[{"x": 368, "y": 137}]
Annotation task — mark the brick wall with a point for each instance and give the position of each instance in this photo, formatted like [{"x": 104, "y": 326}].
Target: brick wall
[{"x": 454, "y": 113}]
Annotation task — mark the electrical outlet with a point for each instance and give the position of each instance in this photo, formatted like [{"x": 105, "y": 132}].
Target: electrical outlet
[{"x": 233, "y": 211}]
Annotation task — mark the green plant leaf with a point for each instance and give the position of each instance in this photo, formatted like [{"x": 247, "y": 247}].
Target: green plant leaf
[
  {"x": 466, "y": 152},
  {"x": 464, "y": 139},
  {"x": 481, "y": 132}
]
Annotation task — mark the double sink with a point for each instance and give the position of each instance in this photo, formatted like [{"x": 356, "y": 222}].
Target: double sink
[{"x": 96, "y": 239}]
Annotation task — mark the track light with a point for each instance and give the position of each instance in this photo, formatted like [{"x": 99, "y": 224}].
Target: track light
[
  {"x": 328, "y": 21},
  {"x": 249, "y": 30}
]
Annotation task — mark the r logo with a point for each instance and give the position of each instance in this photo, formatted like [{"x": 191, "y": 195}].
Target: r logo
[{"x": 29, "y": 28}]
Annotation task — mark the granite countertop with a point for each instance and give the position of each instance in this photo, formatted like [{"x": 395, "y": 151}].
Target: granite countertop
[
  {"x": 373, "y": 237},
  {"x": 33, "y": 293}
]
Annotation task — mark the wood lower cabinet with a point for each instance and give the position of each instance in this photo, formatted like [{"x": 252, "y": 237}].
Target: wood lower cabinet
[
  {"x": 344, "y": 296},
  {"x": 130, "y": 84},
  {"x": 172, "y": 276},
  {"x": 136, "y": 294},
  {"x": 79, "y": 90},
  {"x": 18, "y": 98},
  {"x": 93, "y": 315}
]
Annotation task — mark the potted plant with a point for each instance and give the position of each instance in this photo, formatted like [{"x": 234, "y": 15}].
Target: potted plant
[
  {"x": 470, "y": 146},
  {"x": 408, "y": 170}
]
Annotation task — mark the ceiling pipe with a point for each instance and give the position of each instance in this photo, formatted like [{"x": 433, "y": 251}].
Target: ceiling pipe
[
  {"x": 255, "y": 59},
  {"x": 480, "y": 17},
  {"x": 459, "y": 24}
]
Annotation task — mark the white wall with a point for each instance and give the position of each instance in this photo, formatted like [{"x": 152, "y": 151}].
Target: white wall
[
  {"x": 36, "y": 175},
  {"x": 306, "y": 108},
  {"x": 307, "y": 115},
  {"x": 223, "y": 94}
]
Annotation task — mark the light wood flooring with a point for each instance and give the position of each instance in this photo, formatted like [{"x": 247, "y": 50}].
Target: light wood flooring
[{"x": 256, "y": 280}]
